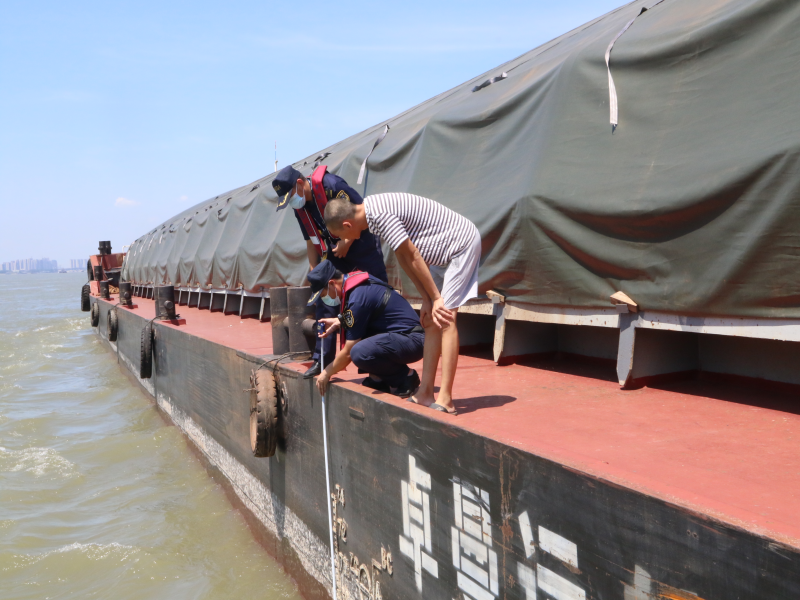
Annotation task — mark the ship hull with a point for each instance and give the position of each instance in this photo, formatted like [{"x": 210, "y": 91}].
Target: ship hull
[{"x": 426, "y": 509}]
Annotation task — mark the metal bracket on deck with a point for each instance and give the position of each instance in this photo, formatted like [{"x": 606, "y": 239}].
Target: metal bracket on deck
[{"x": 647, "y": 346}]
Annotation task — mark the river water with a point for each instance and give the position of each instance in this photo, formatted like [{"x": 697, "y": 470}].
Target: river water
[{"x": 99, "y": 496}]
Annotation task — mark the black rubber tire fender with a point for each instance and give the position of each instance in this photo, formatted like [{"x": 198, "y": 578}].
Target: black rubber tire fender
[
  {"x": 95, "y": 314},
  {"x": 263, "y": 413},
  {"x": 89, "y": 270},
  {"x": 146, "y": 352},
  {"x": 112, "y": 324},
  {"x": 86, "y": 304}
]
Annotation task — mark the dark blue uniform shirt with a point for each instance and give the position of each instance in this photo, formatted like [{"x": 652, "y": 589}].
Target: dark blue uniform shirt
[
  {"x": 363, "y": 302},
  {"x": 365, "y": 254}
]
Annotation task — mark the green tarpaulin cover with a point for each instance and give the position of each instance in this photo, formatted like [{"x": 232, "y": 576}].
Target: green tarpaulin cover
[{"x": 691, "y": 206}]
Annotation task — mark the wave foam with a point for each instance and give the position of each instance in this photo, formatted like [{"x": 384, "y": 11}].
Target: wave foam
[
  {"x": 113, "y": 550},
  {"x": 39, "y": 461}
]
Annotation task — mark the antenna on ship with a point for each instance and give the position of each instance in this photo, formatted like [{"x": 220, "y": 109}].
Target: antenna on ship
[{"x": 276, "y": 156}]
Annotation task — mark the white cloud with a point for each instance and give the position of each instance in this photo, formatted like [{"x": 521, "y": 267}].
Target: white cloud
[
  {"x": 183, "y": 199},
  {"x": 125, "y": 202}
]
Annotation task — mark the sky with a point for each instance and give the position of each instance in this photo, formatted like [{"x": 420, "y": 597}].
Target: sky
[{"x": 114, "y": 116}]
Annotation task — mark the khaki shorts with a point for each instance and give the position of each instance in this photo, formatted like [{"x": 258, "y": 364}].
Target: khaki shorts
[{"x": 458, "y": 281}]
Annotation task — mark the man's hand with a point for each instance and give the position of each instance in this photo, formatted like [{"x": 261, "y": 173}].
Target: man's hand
[
  {"x": 341, "y": 249},
  {"x": 332, "y": 325},
  {"x": 322, "y": 382},
  {"x": 441, "y": 315}
]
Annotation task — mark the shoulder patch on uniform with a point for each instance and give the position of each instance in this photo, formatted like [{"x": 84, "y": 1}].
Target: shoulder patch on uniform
[
  {"x": 344, "y": 195},
  {"x": 349, "y": 319}
]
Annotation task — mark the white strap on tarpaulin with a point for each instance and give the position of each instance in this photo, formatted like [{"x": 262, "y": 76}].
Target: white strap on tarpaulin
[
  {"x": 375, "y": 145},
  {"x": 612, "y": 90}
]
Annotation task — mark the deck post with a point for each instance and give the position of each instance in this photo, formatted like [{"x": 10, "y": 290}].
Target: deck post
[
  {"x": 499, "y": 311},
  {"x": 627, "y": 340}
]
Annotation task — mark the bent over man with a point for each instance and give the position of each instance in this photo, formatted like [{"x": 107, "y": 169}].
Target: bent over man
[
  {"x": 308, "y": 199},
  {"x": 440, "y": 251},
  {"x": 382, "y": 334}
]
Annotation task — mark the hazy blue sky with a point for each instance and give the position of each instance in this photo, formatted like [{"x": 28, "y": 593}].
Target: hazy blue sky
[{"x": 116, "y": 115}]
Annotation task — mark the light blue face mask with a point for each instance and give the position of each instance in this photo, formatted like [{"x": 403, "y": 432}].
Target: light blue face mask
[
  {"x": 331, "y": 301},
  {"x": 297, "y": 202}
]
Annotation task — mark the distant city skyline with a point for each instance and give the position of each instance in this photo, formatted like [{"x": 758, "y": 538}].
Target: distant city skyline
[{"x": 30, "y": 264}]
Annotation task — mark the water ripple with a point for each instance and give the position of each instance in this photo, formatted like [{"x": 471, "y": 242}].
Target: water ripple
[{"x": 99, "y": 498}]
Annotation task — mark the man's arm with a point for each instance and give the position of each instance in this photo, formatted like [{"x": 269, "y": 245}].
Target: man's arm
[
  {"x": 311, "y": 252},
  {"x": 341, "y": 249},
  {"x": 339, "y": 364},
  {"x": 339, "y": 185},
  {"x": 411, "y": 262}
]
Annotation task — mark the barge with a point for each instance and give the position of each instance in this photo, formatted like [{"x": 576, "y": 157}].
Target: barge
[
  {"x": 553, "y": 482},
  {"x": 627, "y": 391}
]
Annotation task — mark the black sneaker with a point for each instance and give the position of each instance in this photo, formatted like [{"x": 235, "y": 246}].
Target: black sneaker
[
  {"x": 314, "y": 370},
  {"x": 381, "y": 386},
  {"x": 409, "y": 386}
]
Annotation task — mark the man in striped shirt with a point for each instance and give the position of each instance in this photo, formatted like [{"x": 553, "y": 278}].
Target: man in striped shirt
[{"x": 440, "y": 251}]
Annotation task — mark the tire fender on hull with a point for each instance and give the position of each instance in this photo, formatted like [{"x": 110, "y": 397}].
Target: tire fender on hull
[
  {"x": 263, "y": 413},
  {"x": 146, "y": 352},
  {"x": 112, "y": 324},
  {"x": 86, "y": 304},
  {"x": 95, "y": 314}
]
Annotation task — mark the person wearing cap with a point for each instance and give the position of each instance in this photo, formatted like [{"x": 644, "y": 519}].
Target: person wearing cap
[
  {"x": 382, "y": 334},
  {"x": 295, "y": 190}
]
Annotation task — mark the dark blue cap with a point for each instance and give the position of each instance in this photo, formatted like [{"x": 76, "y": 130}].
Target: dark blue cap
[
  {"x": 284, "y": 182},
  {"x": 319, "y": 278}
]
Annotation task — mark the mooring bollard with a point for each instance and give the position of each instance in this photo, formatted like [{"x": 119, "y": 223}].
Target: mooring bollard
[
  {"x": 165, "y": 301},
  {"x": 299, "y": 312},
  {"x": 125, "y": 295},
  {"x": 104, "y": 291},
  {"x": 279, "y": 319},
  {"x": 98, "y": 273}
]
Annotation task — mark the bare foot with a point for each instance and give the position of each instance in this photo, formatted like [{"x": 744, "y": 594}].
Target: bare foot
[
  {"x": 422, "y": 399},
  {"x": 446, "y": 401}
]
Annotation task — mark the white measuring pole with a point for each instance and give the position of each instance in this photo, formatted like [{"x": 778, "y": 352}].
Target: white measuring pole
[{"x": 321, "y": 329}]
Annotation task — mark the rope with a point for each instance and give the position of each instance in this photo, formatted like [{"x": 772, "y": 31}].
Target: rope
[
  {"x": 320, "y": 327},
  {"x": 364, "y": 164},
  {"x": 613, "y": 105}
]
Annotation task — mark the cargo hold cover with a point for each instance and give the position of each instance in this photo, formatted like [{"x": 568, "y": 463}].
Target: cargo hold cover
[{"x": 691, "y": 205}]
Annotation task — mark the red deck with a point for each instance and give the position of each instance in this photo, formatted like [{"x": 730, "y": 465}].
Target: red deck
[{"x": 724, "y": 450}]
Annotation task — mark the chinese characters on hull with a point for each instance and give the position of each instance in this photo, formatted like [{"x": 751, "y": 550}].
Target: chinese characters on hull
[
  {"x": 415, "y": 541},
  {"x": 473, "y": 554}
]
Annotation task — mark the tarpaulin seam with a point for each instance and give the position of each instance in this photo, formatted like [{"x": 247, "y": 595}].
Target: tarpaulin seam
[
  {"x": 612, "y": 90},
  {"x": 375, "y": 145}
]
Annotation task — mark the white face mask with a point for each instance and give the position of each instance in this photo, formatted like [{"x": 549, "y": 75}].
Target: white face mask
[
  {"x": 297, "y": 202},
  {"x": 331, "y": 301}
]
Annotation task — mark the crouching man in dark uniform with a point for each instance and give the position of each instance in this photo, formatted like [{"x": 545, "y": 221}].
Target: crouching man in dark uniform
[
  {"x": 382, "y": 334},
  {"x": 308, "y": 197}
]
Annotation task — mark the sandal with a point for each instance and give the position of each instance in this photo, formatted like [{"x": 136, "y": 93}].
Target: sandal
[{"x": 441, "y": 408}]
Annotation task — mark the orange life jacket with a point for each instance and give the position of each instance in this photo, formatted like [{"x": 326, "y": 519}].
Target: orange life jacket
[
  {"x": 317, "y": 236},
  {"x": 351, "y": 281}
]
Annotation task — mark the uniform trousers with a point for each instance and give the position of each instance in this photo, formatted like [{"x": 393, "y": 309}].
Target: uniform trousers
[
  {"x": 388, "y": 355},
  {"x": 329, "y": 343}
]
